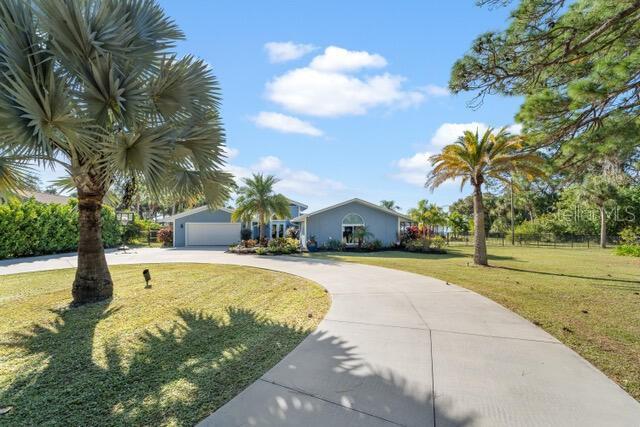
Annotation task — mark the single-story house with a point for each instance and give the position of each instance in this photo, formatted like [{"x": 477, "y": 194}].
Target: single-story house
[
  {"x": 338, "y": 222},
  {"x": 40, "y": 197},
  {"x": 204, "y": 227}
]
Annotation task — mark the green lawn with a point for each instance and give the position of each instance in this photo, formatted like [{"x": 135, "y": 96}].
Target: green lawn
[
  {"x": 587, "y": 298},
  {"x": 169, "y": 355}
]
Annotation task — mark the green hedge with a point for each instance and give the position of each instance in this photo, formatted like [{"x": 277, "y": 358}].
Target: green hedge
[{"x": 31, "y": 228}]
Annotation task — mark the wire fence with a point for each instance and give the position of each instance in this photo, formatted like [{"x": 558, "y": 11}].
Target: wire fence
[{"x": 537, "y": 240}]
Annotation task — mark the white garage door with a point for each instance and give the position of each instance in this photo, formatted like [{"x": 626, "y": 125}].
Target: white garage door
[{"x": 212, "y": 233}]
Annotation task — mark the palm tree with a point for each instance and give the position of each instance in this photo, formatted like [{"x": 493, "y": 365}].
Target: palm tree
[
  {"x": 420, "y": 214},
  {"x": 256, "y": 198},
  {"x": 94, "y": 87},
  {"x": 477, "y": 158},
  {"x": 15, "y": 174},
  {"x": 389, "y": 204},
  {"x": 361, "y": 234},
  {"x": 600, "y": 190}
]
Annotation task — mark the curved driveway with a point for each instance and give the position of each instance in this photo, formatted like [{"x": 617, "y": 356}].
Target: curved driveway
[{"x": 398, "y": 348}]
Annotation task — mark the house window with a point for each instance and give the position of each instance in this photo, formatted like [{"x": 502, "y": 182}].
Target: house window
[
  {"x": 350, "y": 223},
  {"x": 277, "y": 229}
]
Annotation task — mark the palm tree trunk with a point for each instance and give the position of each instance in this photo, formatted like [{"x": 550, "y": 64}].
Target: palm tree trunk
[
  {"x": 93, "y": 280},
  {"x": 603, "y": 227},
  {"x": 480, "y": 243}
]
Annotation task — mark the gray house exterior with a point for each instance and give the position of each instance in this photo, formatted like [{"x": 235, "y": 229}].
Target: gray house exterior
[
  {"x": 220, "y": 220},
  {"x": 338, "y": 222},
  {"x": 204, "y": 227},
  {"x": 278, "y": 227}
]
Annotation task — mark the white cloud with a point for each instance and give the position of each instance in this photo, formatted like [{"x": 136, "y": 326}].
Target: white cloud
[
  {"x": 286, "y": 51},
  {"x": 435, "y": 90},
  {"x": 327, "y": 94},
  {"x": 328, "y": 87},
  {"x": 447, "y": 133},
  {"x": 413, "y": 170},
  {"x": 335, "y": 59},
  {"x": 515, "y": 129},
  {"x": 285, "y": 124},
  {"x": 230, "y": 153},
  {"x": 293, "y": 182}
]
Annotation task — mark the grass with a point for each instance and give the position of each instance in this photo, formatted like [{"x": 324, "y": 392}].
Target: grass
[
  {"x": 587, "y": 298},
  {"x": 169, "y": 355}
]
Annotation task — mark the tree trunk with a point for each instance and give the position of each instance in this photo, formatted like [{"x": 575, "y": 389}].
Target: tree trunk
[
  {"x": 93, "y": 280},
  {"x": 480, "y": 243},
  {"x": 513, "y": 224},
  {"x": 603, "y": 227}
]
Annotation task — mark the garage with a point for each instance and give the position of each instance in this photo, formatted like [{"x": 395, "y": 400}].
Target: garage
[{"x": 212, "y": 233}]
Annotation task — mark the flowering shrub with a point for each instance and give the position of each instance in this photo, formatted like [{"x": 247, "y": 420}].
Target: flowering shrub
[
  {"x": 410, "y": 233},
  {"x": 165, "y": 236}
]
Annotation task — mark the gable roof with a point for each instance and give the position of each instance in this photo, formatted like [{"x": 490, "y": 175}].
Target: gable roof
[
  {"x": 293, "y": 202},
  {"x": 354, "y": 200},
  {"x": 193, "y": 211}
]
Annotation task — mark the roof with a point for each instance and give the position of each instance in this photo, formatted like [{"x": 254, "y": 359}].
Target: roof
[
  {"x": 193, "y": 211},
  {"x": 45, "y": 197},
  {"x": 302, "y": 205},
  {"x": 356, "y": 200}
]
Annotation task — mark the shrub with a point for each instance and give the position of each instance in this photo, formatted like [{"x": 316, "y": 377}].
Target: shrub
[
  {"x": 628, "y": 250},
  {"x": 425, "y": 244},
  {"x": 630, "y": 238},
  {"x": 438, "y": 242},
  {"x": 32, "y": 228},
  {"x": 262, "y": 251},
  {"x": 165, "y": 236},
  {"x": 283, "y": 245},
  {"x": 333, "y": 245},
  {"x": 246, "y": 234},
  {"x": 293, "y": 232},
  {"x": 410, "y": 233},
  {"x": 374, "y": 245}
]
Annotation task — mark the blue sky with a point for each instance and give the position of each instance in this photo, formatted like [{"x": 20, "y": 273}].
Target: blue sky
[{"x": 340, "y": 99}]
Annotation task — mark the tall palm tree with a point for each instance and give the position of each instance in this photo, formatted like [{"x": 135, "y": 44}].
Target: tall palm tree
[
  {"x": 600, "y": 190},
  {"x": 389, "y": 204},
  {"x": 94, "y": 86},
  {"x": 257, "y": 199},
  {"x": 477, "y": 158}
]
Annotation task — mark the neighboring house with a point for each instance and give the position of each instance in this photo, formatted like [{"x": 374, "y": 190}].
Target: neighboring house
[
  {"x": 338, "y": 222},
  {"x": 40, "y": 197},
  {"x": 204, "y": 227}
]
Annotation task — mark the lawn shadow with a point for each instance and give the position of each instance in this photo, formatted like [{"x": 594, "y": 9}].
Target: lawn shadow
[
  {"x": 577, "y": 276},
  {"x": 176, "y": 373}
]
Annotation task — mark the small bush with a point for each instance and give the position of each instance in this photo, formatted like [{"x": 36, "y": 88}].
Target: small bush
[
  {"x": 283, "y": 245},
  {"x": 293, "y": 233},
  {"x": 438, "y": 242},
  {"x": 426, "y": 244},
  {"x": 333, "y": 245},
  {"x": 628, "y": 250},
  {"x": 246, "y": 234},
  {"x": 374, "y": 245},
  {"x": 165, "y": 236}
]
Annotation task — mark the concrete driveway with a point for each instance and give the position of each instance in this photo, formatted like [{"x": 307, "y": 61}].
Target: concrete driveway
[{"x": 398, "y": 348}]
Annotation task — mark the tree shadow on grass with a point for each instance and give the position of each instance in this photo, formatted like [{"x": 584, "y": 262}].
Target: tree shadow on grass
[
  {"x": 176, "y": 373},
  {"x": 612, "y": 281}
]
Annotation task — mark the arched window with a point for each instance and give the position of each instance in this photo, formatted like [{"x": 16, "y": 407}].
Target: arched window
[
  {"x": 352, "y": 219},
  {"x": 350, "y": 223}
]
